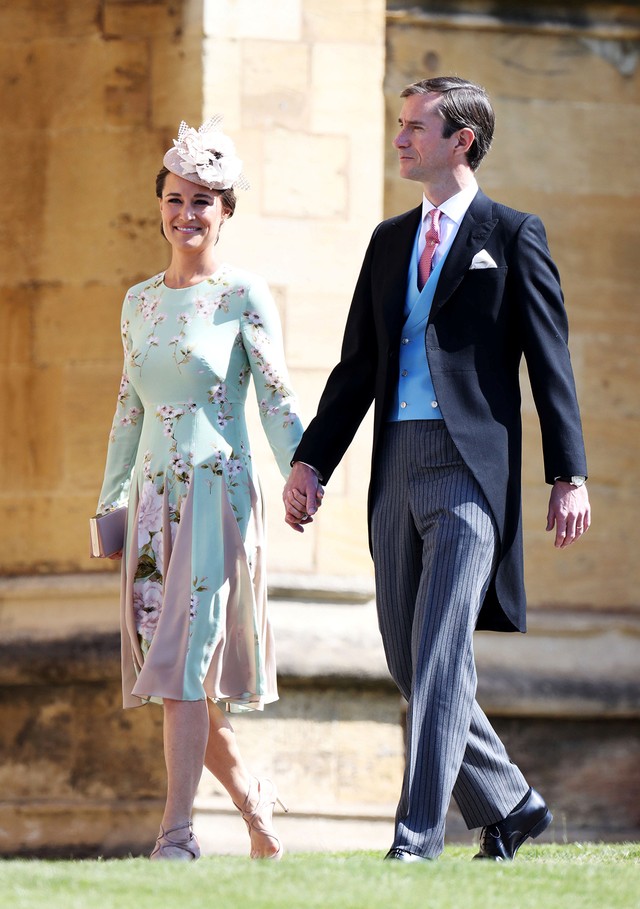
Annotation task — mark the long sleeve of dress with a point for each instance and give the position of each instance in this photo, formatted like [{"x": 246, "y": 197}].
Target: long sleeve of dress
[
  {"x": 262, "y": 339},
  {"x": 123, "y": 440}
]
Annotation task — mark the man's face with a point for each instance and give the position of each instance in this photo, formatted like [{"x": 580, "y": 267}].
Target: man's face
[{"x": 423, "y": 153}]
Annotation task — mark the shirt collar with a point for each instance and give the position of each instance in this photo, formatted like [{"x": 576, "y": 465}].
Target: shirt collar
[{"x": 455, "y": 207}]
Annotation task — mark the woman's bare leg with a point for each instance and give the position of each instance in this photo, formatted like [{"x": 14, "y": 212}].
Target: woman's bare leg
[
  {"x": 223, "y": 759},
  {"x": 186, "y": 729}
]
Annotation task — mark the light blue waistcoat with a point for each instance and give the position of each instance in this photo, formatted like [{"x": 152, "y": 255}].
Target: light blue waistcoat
[{"x": 415, "y": 398}]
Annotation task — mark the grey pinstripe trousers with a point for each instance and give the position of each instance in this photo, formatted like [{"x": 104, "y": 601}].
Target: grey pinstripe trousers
[{"x": 434, "y": 548}]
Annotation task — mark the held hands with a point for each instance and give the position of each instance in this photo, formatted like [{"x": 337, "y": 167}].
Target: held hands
[
  {"x": 302, "y": 496},
  {"x": 569, "y": 511}
]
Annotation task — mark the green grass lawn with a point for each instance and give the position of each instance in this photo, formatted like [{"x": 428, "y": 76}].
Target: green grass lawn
[{"x": 588, "y": 876}]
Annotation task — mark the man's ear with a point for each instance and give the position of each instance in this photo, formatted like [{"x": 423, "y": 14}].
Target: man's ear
[{"x": 466, "y": 138}]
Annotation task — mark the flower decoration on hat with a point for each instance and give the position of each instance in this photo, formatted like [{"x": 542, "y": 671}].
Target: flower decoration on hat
[{"x": 206, "y": 156}]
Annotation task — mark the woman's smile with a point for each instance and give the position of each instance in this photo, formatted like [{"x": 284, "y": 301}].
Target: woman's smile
[{"x": 189, "y": 211}]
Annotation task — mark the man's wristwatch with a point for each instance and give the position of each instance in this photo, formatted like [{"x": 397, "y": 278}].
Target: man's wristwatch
[{"x": 575, "y": 481}]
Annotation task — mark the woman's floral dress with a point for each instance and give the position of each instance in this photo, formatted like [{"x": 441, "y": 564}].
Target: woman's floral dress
[{"x": 193, "y": 605}]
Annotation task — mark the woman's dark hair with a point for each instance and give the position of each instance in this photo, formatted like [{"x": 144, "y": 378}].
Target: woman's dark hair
[
  {"x": 227, "y": 196},
  {"x": 462, "y": 104}
]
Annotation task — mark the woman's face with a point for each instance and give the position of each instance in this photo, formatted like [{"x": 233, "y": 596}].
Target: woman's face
[{"x": 191, "y": 215}]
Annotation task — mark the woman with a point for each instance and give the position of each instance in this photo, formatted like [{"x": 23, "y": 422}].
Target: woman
[{"x": 195, "y": 632}]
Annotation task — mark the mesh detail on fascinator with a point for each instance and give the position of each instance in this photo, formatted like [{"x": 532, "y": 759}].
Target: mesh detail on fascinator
[{"x": 206, "y": 156}]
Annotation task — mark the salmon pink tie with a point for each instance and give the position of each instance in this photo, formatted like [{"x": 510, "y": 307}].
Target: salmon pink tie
[{"x": 432, "y": 238}]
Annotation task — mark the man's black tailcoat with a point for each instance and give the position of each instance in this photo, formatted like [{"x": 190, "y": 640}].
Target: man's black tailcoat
[{"x": 481, "y": 323}]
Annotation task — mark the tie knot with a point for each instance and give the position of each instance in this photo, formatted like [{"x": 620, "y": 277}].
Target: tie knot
[{"x": 434, "y": 218}]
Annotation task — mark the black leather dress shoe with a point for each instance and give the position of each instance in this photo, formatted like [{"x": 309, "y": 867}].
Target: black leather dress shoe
[
  {"x": 401, "y": 855},
  {"x": 529, "y": 818}
]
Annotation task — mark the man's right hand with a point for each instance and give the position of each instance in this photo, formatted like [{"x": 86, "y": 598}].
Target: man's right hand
[{"x": 302, "y": 496}]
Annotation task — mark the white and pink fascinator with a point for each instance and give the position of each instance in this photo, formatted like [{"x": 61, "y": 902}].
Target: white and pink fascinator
[{"x": 206, "y": 156}]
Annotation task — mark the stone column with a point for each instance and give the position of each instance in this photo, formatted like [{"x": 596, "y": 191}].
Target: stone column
[{"x": 300, "y": 84}]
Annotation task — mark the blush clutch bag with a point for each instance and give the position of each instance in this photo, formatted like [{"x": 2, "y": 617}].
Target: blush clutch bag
[{"x": 107, "y": 532}]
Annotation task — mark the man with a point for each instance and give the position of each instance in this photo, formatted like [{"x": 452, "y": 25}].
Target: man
[{"x": 449, "y": 298}]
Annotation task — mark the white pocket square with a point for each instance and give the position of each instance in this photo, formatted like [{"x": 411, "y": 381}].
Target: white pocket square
[{"x": 482, "y": 259}]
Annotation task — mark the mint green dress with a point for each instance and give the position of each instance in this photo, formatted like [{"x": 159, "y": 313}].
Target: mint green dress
[{"x": 193, "y": 601}]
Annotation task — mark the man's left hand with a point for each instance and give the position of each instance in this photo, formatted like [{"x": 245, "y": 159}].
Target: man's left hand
[{"x": 569, "y": 512}]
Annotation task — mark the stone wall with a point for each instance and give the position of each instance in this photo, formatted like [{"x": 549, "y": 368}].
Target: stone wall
[
  {"x": 300, "y": 86},
  {"x": 94, "y": 91},
  {"x": 88, "y": 108},
  {"x": 79, "y": 776},
  {"x": 566, "y": 89},
  {"x": 301, "y": 82}
]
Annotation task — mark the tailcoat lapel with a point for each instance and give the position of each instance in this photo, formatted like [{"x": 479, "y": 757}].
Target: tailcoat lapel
[
  {"x": 399, "y": 247},
  {"x": 476, "y": 228}
]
